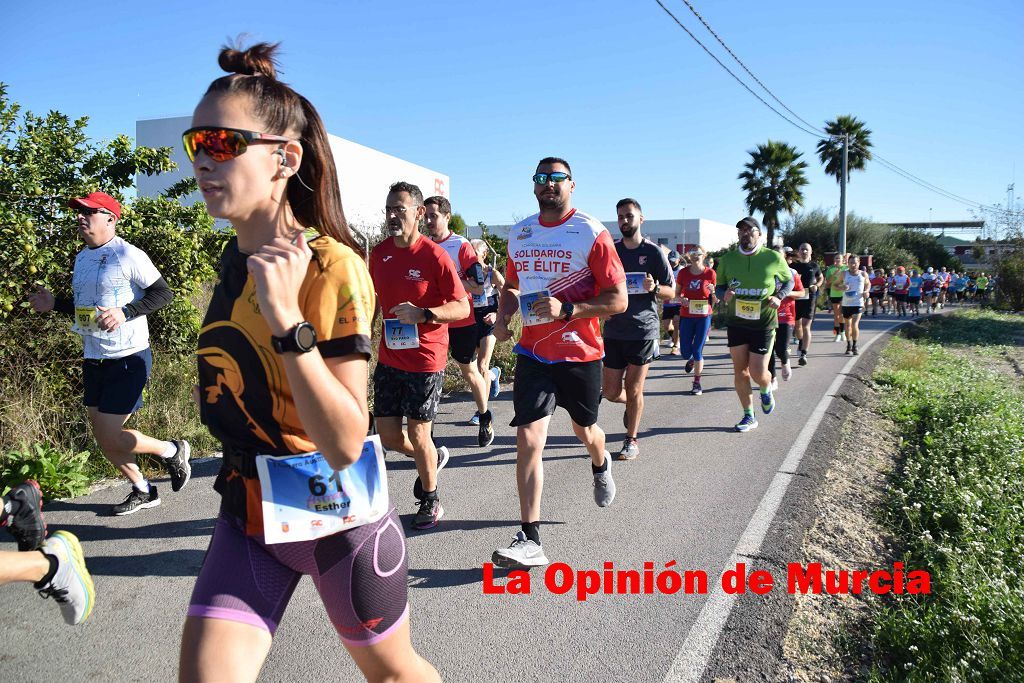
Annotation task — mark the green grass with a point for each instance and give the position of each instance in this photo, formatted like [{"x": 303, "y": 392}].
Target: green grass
[
  {"x": 44, "y": 432},
  {"x": 956, "y": 504}
]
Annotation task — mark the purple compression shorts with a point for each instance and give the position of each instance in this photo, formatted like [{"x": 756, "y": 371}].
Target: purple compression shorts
[{"x": 360, "y": 574}]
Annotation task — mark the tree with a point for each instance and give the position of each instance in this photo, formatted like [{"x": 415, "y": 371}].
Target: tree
[
  {"x": 773, "y": 180},
  {"x": 457, "y": 224},
  {"x": 830, "y": 150},
  {"x": 46, "y": 160},
  {"x": 820, "y": 230},
  {"x": 1010, "y": 277}
]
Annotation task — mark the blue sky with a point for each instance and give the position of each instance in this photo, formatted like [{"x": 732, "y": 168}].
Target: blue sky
[{"x": 482, "y": 90}]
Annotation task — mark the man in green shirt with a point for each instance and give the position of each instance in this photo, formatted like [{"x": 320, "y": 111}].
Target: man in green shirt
[
  {"x": 752, "y": 282},
  {"x": 982, "y": 284}
]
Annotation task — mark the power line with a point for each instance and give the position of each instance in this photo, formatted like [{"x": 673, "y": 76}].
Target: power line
[
  {"x": 751, "y": 73},
  {"x": 810, "y": 128},
  {"x": 729, "y": 71}
]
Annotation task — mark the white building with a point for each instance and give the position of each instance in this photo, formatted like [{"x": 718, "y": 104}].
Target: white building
[
  {"x": 363, "y": 173},
  {"x": 677, "y": 234}
]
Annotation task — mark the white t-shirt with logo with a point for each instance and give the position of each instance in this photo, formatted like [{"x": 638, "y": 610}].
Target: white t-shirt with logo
[
  {"x": 460, "y": 251},
  {"x": 113, "y": 276}
]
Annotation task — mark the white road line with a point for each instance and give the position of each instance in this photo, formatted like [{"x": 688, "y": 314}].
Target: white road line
[{"x": 692, "y": 658}]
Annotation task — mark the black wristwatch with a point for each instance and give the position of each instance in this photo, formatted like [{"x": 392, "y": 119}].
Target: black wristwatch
[
  {"x": 567, "y": 311},
  {"x": 428, "y": 315},
  {"x": 299, "y": 339}
]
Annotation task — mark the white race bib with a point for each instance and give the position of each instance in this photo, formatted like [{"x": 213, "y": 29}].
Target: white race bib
[
  {"x": 699, "y": 307},
  {"x": 399, "y": 336},
  {"x": 852, "y": 299},
  {"x": 526, "y": 302},
  {"x": 304, "y": 499},
  {"x": 748, "y": 310},
  {"x": 635, "y": 283},
  {"x": 85, "y": 319}
]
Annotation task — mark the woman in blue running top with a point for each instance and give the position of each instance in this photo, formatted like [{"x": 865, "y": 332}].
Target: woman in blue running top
[{"x": 282, "y": 364}]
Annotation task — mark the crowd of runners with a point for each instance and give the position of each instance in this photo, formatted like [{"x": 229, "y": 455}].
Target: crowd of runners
[{"x": 284, "y": 365}]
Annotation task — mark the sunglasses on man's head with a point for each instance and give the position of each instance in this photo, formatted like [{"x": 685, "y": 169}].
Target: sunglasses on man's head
[
  {"x": 221, "y": 144},
  {"x": 556, "y": 177}
]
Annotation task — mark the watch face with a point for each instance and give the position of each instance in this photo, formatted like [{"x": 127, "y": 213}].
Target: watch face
[{"x": 305, "y": 336}]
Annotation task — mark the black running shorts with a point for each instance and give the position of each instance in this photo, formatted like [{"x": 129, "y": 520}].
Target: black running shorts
[
  {"x": 850, "y": 311},
  {"x": 114, "y": 385},
  {"x": 400, "y": 393},
  {"x": 805, "y": 308},
  {"x": 482, "y": 328},
  {"x": 670, "y": 311},
  {"x": 759, "y": 341},
  {"x": 462, "y": 343},
  {"x": 618, "y": 353},
  {"x": 540, "y": 387}
]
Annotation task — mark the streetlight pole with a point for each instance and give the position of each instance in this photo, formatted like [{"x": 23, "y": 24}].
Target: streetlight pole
[{"x": 842, "y": 194}]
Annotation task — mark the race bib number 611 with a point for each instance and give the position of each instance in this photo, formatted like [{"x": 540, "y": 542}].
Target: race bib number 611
[{"x": 304, "y": 499}]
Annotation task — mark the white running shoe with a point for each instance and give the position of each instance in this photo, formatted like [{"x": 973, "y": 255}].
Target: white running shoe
[
  {"x": 71, "y": 586},
  {"x": 604, "y": 485},
  {"x": 522, "y": 554},
  {"x": 786, "y": 371}
]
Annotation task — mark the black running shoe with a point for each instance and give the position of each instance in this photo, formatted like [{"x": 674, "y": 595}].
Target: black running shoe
[
  {"x": 137, "y": 500},
  {"x": 688, "y": 367},
  {"x": 442, "y": 460},
  {"x": 178, "y": 465},
  {"x": 486, "y": 434},
  {"x": 802, "y": 361},
  {"x": 26, "y": 520}
]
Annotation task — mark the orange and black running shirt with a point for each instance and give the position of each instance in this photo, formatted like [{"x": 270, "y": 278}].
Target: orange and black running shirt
[{"x": 245, "y": 399}]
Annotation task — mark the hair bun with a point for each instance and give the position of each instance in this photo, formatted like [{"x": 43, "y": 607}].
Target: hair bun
[{"x": 258, "y": 59}]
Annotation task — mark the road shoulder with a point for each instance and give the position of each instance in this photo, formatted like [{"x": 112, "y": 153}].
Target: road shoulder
[{"x": 829, "y": 518}]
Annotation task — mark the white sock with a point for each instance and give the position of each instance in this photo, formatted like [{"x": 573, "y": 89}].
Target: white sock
[
  {"x": 170, "y": 451},
  {"x": 143, "y": 487}
]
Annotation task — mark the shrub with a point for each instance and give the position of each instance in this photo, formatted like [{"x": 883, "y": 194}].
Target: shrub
[{"x": 60, "y": 473}]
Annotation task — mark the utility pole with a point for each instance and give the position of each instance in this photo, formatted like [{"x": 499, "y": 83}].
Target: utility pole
[
  {"x": 842, "y": 194},
  {"x": 684, "y": 228}
]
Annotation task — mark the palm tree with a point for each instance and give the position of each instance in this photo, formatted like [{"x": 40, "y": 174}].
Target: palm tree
[
  {"x": 830, "y": 151},
  {"x": 772, "y": 181}
]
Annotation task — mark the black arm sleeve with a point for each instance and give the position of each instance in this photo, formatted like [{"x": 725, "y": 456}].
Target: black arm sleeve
[
  {"x": 64, "y": 305},
  {"x": 475, "y": 274},
  {"x": 155, "y": 297}
]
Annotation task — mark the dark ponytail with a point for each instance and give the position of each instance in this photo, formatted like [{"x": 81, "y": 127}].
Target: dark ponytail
[{"x": 253, "y": 72}]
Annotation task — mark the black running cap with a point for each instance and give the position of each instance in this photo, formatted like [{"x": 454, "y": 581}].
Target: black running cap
[{"x": 749, "y": 222}]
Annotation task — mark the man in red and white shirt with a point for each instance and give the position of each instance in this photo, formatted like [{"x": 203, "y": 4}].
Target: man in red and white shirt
[
  {"x": 418, "y": 291},
  {"x": 462, "y": 334},
  {"x": 563, "y": 274}
]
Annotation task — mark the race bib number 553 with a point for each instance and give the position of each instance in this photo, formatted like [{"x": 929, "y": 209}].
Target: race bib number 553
[{"x": 748, "y": 310}]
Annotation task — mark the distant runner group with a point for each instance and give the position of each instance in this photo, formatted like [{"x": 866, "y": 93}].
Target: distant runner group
[{"x": 285, "y": 347}]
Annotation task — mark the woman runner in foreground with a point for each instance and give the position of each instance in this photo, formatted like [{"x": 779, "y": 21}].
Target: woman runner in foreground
[{"x": 269, "y": 386}]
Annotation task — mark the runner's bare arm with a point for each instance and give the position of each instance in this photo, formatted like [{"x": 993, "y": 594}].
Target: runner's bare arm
[
  {"x": 330, "y": 398},
  {"x": 609, "y": 301},
  {"x": 508, "y": 305},
  {"x": 329, "y": 395},
  {"x": 410, "y": 314}
]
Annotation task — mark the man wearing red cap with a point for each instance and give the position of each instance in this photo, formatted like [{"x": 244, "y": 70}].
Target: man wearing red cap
[{"x": 115, "y": 287}]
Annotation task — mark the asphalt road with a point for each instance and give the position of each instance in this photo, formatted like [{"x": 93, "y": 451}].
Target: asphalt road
[{"x": 688, "y": 498}]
